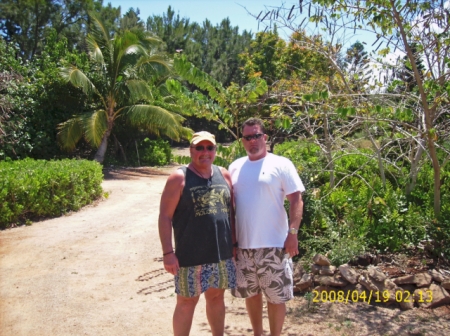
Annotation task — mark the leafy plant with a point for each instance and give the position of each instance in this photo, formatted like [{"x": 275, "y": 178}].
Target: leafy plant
[
  {"x": 360, "y": 212},
  {"x": 31, "y": 189},
  {"x": 155, "y": 152},
  {"x": 439, "y": 234},
  {"x": 127, "y": 67}
]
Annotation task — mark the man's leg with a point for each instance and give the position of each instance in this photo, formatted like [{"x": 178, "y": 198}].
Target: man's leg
[
  {"x": 215, "y": 310},
  {"x": 277, "y": 313},
  {"x": 183, "y": 315},
  {"x": 255, "y": 308}
]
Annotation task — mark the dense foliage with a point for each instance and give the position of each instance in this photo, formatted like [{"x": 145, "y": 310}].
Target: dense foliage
[
  {"x": 37, "y": 100},
  {"x": 146, "y": 152},
  {"x": 127, "y": 67},
  {"x": 360, "y": 212},
  {"x": 213, "y": 49},
  {"x": 33, "y": 189}
]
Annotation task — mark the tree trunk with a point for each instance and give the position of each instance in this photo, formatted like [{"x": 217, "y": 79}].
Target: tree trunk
[
  {"x": 415, "y": 168},
  {"x": 427, "y": 111},
  {"x": 437, "y": 177},
  {"x": 379, "y": 157},
  {"x": 119, "y": 145},
  {"x": 100, "y": 155},
  {"x": 329, "y": 150}
]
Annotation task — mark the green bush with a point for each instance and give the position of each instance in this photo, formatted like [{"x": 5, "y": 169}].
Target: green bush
[
  {"x": 31, "y": 189},
  {"x": 439, "y": 235},
  {"x": 155, "y": 152},
  {"x": 359, "y": 212},
  {"x": 307, "y": 159}
]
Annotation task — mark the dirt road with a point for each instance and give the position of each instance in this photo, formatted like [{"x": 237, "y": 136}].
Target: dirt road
[
  {"x": 99, "y": 272},
  {"x": 94, "y": 272}
]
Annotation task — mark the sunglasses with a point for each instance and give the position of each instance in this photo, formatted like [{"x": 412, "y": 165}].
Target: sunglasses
[
  {"x": 254, "y": 136},
  {"x": 201, "y": 148}
]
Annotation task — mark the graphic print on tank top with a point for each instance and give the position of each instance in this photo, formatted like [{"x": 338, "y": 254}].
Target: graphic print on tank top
[{"x": 209, "y": 201}]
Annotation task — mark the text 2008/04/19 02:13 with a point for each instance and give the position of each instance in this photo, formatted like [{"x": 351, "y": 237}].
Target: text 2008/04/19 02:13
[{"x": 377, "y": 296}]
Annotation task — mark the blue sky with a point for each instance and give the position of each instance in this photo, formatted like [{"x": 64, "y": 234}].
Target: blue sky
[{"x": 199, "y": 10}]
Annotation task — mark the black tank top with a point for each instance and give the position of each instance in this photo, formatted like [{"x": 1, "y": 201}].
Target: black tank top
[{"x": 201, "y": 221}]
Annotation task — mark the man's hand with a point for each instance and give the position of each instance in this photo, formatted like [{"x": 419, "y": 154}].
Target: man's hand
[
  {"x": 291, "y": 244},
  {"x": 171, "y": 263}
]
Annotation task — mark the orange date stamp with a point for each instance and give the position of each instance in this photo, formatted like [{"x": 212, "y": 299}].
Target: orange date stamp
[{"x": 372, "y": 296}]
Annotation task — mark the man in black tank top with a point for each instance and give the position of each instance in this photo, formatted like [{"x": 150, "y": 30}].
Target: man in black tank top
[{"x": 197, "y": 205}]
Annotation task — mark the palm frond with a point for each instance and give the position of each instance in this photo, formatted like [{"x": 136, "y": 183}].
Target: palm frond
[
  {"x": 121, "y": 43},
  {"x": 147, "y": 39},
  {"x": 172, "y": 107},
  {"x": 154, "y": 64},
  {"x": 129, "y": 57},
  {"x": 69, "y": 133},
  {"x": 137, "y": 90},
  {"x": 186, "y": 133},
  {"x": 94, "y": 50},
  {"x": 99, "y": 39},
  {"x": 152, "y": 40},
  {"x": 78, "y": 79},
  {"x": 156, "y": 120},
  {"x": 95, "y": 125},
  {"x": 164, "y": 91}
]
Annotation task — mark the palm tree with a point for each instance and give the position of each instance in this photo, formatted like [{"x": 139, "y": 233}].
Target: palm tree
[{"x": 125, "y": 66}]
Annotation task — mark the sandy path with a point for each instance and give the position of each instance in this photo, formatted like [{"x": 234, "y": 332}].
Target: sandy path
[
  {"x": 94, "y": 272},
  {"x": 99, "y": 272}
]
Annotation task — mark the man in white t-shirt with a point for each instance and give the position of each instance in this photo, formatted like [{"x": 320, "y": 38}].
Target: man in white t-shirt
[{"x": 266, "y": 239}]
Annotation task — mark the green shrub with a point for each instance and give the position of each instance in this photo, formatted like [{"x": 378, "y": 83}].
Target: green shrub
[
  {"x": 155, "y": 152},
  {"x": 226, "y": 155},
  {"x": 338, "y": 247},
  {"x": 359, "y": 212},
  {"x": 308, "y": 160},
  {"x": 31, "y": 189},
  {"x": 439, "y": 235}
]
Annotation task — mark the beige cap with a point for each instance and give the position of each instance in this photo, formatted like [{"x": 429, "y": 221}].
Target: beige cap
[{"x": 201, "y": 136}]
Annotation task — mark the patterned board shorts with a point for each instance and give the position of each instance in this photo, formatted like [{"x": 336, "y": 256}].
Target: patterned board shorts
[
  {"x": 194, "y": 280},
  {"x": 266, "y": 270}
]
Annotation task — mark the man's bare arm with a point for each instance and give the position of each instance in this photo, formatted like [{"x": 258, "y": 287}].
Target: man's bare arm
[
  {"x": 169, "y": 201},
  {"x": 295, "y": 218},
  {"x": 227, "y": 177}
]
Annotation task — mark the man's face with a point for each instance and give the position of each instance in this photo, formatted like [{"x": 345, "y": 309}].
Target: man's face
[
  {"x": 203, "y": 153},
  {"x": 256, "y": 146}
]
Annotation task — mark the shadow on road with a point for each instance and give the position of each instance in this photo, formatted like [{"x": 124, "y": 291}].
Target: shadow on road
[{"x": 136, "y": 173}]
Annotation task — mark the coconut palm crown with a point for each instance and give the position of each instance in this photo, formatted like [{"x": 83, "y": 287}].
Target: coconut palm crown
[{"x": 125, "y": 63}]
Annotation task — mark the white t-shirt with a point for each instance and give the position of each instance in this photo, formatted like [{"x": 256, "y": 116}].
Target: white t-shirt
[{"x": 260, "y": 188}]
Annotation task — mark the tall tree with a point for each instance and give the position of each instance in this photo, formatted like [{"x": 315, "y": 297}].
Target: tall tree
[
  {"x": 125, "y": 63},
  {"x": 216, "y": 49},
  {"x": 172, "y": 29},
  {"x": 131, "y": 21},
  {"x": 13, "y": 140},
  {"x": 27, "y": 22},
  {"x": 397, "y": 25},
  {"x": 357, "y": 61},
  {"x": 212, "y": 48},
  {"x": 405, "y": 75},
  {"x": 109, "y": 15}
]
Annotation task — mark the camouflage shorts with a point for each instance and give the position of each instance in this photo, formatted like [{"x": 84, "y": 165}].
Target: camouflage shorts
[{"x": 264, "y": 270}]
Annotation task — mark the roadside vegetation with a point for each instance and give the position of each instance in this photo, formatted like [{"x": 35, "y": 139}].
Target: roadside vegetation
[{"x": 36, "y": 189}]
